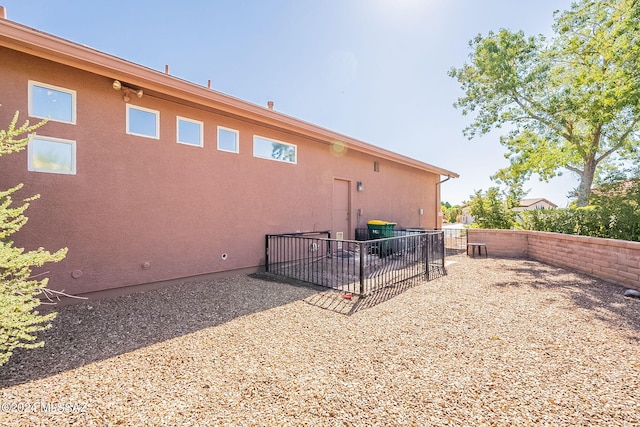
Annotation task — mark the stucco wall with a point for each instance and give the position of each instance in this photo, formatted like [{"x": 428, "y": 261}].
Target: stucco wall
[
  {"x": 141, "y": 210},
  {"x": 612, "y": 260}
]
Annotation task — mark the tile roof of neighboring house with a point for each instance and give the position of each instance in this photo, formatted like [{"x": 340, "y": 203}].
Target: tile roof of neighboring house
[
  {"x": 525, "y": 203},
  {"x": 162, "y": 85},
  {"x": 616, "y": 187}
]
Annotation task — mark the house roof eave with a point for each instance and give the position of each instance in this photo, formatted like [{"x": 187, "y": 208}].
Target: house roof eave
[{"x": 43, "y": 45}]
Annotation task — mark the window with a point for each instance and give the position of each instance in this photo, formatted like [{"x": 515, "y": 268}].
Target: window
[
  {"x": 51, "y": 155},
  {"x": 189, "y": 132},
  {"x": 143, "y": 122},
  {"x": 376, "y": 166},
  {"x": 274, "y": 150},
  {"x": 52, "y": 102},
  {"x": 228, "y": 140}
]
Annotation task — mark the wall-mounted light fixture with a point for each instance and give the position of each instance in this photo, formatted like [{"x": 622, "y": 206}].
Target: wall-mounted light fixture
[
  {"x": 127, "y": 91},
  {"x": 359, "y": 186}
]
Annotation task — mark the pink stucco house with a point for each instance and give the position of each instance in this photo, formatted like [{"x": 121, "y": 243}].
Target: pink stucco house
[{"x": 146, "y": 177}]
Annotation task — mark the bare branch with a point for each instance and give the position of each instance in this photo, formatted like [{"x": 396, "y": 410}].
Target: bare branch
[
  {"x": 620, "y": 143},
  {"x": 51, "y": 293},
  {"x": 574, "y": 169},
  {"x": 541, "y": 119}
]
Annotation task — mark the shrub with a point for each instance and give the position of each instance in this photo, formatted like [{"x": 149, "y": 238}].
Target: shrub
[
  {"x": 614, "y": 214},
  {"x": 19, "y": 290}
]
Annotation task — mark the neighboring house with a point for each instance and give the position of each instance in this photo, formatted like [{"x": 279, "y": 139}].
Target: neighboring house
[
  {"x": 533, "y": 204},
  {"x": 466, "y": 217},
  {"x": 146, "y": 177},
  {"x": 619, "y": 188}
]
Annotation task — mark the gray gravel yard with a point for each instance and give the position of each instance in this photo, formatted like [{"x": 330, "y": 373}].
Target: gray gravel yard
[{"x": 496, "y": 342}]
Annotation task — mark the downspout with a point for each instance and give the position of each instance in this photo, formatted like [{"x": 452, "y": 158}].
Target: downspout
[{"x": 438, "y": 198}]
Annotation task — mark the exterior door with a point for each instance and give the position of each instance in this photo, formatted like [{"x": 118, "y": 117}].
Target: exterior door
[{"x": 341, "y": 209}]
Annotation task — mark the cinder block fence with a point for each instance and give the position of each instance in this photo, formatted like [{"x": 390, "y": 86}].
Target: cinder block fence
[{"x": 616, "y": 261}]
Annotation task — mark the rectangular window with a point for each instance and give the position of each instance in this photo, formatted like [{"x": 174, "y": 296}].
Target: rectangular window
[
  {"x": 228, "y": 140},
  {"x": 274, "y": 150},
  {"x": 376, "y": 166},
  {"x": 52, "y": 102},
  {"x": 143, "y": 122},
  {"x": 190, "y": 131},
  {"x": 52, "y": 155}
]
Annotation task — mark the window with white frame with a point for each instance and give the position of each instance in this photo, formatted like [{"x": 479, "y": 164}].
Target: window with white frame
[
  {"x": 274, "y": 150},
  {"x": 228, "y": 140},
  {"x": 52, "y": 155},
  {"x": 189, "y": 131},
  {"x": 52, "y": 102},
  {"x": 143, "y": 122}
]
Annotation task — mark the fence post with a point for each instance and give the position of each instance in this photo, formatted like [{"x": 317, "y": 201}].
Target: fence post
[
  {"x": 361, "y": 268},
  {"x": 427, "y": 252},
  {"x": 266, "y": 253},
  {"x": 442, "y": 244}
]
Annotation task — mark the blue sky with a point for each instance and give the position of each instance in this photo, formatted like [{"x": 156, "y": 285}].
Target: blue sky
[{"x": 375, "y": 70}]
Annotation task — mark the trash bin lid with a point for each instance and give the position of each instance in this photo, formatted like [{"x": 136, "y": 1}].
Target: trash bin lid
[{"x": 378, "y": 222}]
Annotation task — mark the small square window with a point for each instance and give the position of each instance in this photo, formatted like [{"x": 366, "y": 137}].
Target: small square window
[
  {"x": 228, "y": 139},
  {"x": 143, "y": 122},
  {"x": 52, "y": 102},
  {"x": 190, "y": 132},
  {"x": 52, "y": 155},
  {"x": 274, "y": 150}
]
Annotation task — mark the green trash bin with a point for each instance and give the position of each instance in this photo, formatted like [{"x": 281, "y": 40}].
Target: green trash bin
[{"x": 380, "y": 230}]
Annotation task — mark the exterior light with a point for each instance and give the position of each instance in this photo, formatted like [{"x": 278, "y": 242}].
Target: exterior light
[{"x": 127, "y": 92}]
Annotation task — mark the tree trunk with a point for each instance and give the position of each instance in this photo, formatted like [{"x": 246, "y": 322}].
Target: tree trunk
[{"x": 586, "y": 180}]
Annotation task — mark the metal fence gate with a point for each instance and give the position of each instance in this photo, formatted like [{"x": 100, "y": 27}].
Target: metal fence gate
[{"x": 455, "y": 240}]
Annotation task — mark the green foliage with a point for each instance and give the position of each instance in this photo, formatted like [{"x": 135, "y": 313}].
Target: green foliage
[
  {"x": 572, "y": 102},
  {"x": 8, "y": 142},
  {"x": 490, "y": 210},
  {"x": 615, "y": 214},
  {"x": 19, "y": 290},
  {"x": 451, "y": 213}
]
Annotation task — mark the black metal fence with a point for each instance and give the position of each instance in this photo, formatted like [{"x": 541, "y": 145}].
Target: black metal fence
[
  {"x": 455, "y": 239},
  {"x": 359, "y": 267}
]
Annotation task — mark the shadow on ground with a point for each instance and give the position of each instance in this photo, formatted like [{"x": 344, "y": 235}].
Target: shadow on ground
[
  {"x": 97, "y": 330},
  {"x": 586, "y": 292},
  {"x": 348, "y": 304}
]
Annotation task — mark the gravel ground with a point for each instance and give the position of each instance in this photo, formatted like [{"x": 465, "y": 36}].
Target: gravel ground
[{"x": 496, "y": 342}]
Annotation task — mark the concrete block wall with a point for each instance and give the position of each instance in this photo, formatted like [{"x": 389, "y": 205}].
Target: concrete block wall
[
  {"x": 501, "y": 243},
  {"x": 616, "y": 261}
]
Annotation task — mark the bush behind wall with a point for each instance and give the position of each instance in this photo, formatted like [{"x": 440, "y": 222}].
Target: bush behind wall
[{"x": 614, "y": 214}]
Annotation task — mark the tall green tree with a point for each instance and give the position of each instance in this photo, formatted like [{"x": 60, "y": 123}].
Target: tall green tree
[
  {"x": 19, "y": 290},
  {"x": 571, "y": 102}
]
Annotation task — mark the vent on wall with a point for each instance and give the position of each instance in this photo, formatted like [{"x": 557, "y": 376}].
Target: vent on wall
[{"x": 376, "y": 166}]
